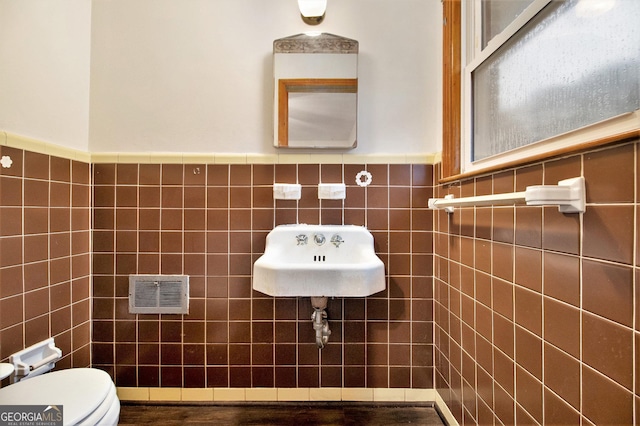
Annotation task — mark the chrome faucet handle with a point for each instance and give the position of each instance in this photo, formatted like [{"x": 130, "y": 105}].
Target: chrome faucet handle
[
  {"x": 337, "y": 240},
  {"x": 319, "y": 239},
  {"x": 301, "y": 240}
]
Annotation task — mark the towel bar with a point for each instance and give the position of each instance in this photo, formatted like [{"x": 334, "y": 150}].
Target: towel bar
[{"x": 568, "y": 195}]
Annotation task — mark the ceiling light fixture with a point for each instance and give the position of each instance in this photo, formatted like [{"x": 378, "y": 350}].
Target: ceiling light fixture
[{"x": 312, "y": 11}]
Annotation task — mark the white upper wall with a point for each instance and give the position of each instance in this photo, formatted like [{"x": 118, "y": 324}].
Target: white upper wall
[
  {"x": 196, "y": 76},
  {"x": 44, "y": 70}
]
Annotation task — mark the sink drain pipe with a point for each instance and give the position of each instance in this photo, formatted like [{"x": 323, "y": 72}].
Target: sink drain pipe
[{"x": 320, "y": 323}]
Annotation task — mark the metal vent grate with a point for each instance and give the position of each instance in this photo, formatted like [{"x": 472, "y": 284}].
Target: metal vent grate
[{"x": 158, "y": 294}]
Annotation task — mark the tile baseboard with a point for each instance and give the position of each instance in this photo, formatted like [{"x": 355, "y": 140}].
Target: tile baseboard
[{"x": 152, "y": 394}]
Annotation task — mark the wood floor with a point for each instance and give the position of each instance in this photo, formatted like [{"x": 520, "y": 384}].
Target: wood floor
[{"x": 279, "y": 414}]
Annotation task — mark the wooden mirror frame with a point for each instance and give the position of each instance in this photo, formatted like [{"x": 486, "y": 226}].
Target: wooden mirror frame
[{"x": 306, "y": 85}]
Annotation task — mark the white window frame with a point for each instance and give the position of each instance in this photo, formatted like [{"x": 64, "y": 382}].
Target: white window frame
[{"x": 473, "y": 56}]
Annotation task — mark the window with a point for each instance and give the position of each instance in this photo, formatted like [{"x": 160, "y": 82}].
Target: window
[
  {"x": 498, "y": 14},
  {"x": 541, "y": 76}
]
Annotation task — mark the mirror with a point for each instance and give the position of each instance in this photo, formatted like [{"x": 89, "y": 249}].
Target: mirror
[
  {"x": 317, "y": 112},
  {"x": 316, "y": 91}
]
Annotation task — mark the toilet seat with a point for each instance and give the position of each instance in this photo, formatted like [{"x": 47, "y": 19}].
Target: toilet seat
[{"x": 87, "y": 395}]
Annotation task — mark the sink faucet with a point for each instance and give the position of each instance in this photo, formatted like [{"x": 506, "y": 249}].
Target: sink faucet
[
  {"x": 319, "y": 239},
  {"x": 337, "y": 240}
]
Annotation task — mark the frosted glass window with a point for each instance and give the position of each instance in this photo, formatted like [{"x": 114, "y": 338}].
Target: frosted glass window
[
  {"x": 497, "y": 14},
  {"x": 576, "y": 63}
]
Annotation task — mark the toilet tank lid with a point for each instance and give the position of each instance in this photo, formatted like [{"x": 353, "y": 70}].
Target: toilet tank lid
[{"x": 79, "y": 390}]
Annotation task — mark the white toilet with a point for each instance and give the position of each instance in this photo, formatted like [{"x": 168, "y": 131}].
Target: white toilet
[{"x": 87, "y": 395}]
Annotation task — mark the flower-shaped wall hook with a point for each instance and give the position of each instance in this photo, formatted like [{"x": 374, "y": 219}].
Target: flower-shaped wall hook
[
  {"x": 363, "y": 178},
  {"x": 6, "y": 161}
]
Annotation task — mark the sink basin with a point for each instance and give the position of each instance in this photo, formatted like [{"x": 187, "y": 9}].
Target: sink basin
[{"x": 320, "y": 261}]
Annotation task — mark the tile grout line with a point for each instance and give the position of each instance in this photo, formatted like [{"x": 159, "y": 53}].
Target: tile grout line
[
  {"x": 634, "y": 346},
  {"x": 581, "y": 292}
]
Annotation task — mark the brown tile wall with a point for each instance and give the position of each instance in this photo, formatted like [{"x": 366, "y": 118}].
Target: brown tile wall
[
  {"x": 536, "y": 311},
  {"x": 45, "y": 255},
  {"x": 210, "y": 222}
]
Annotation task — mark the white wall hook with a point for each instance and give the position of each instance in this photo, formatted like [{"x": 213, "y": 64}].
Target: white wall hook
[
  {"x": 287, "y": 191},
  {"x": 6, "y": 161},
  {"x": 332, "y": 191},
  {"x": 364, "y": 178}
]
